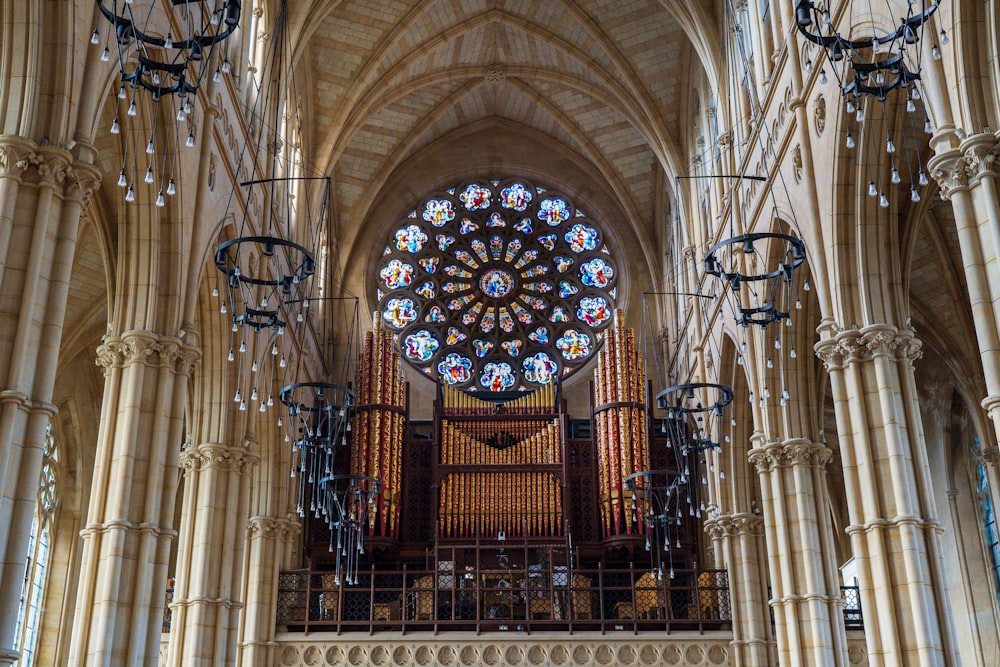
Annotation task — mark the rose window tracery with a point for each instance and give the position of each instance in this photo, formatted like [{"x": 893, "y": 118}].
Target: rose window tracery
[{"x": 497, "y": 285}]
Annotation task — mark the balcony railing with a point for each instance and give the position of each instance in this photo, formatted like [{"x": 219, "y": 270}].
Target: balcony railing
[
  {"x": 853, "y": 620},
  {"x": 505, "y": 600}
]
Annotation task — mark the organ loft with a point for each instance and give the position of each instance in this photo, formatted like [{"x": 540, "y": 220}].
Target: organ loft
[{"x": 479, "y": 332}]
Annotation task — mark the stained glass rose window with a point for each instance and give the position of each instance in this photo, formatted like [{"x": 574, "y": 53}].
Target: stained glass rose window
[{"x": 497, "y": 285}]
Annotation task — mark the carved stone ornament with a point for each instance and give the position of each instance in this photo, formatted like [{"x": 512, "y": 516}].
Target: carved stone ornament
[
  {"x": 957, "y": 169},
  {"x": 639, "y": 651},
  {"x": 797, "y": 163},
  {"x": 819, "y": 115},
  {"x": 147, "y": 348},
  {"x": 273, "y": 528},
  {"x": 875, "y": 340},
  {"x": 790, "y": 453},
  {"x": 732, "y": 525},
  {"x": 495, "y": 74},
  {"x": 215, "y": 455}
]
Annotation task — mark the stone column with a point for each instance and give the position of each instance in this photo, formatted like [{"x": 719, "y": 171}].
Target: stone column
[
  {"x": 126, "y": 542},
  {"x": 270, "y": 541},
  {"x": 43, "y": 191},
  {"x": 968, "y": 179},
  {"x": 894, "y": 534},
  {"x": 809, "y": 620},
  {"x": 206, "y": 604},
  {"x": 740, "y": 538}
]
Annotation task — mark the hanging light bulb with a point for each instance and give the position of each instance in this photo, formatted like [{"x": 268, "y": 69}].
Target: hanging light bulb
[
  {"x": 849, "y": 142},
  {"x": 914, "y": 195},
  {"x": 132, "y": 109},
  {"x": 936, "y": 52},
  {"x": 115, "y": 126},
  {"x": 180, "y": 114},
  {"x": 148, "y": 178},
  {"x": 160, "y": 201},
  {"x": 122, "y": 181},
  {"x": 791, "y": 353},
  {"x": 872, "y": 189},
  {"x": 883, "y": 201},
  {"x": 171, "y": 187},
  {"x": 850, "y": 106},
  {"x": 243, "y": 406},
  {"x": 910, "y": 106},
  {"x": 822, "y": 77},
  {"x": 225, "y": 67},
  {"x": 237, "y": 398},
  {"x": 798, "y": 304},
  {"x": 217, "y": 77},
  {"x": 281, "y": 364},
  {"x": 130, "y": 194},
  {"x": 890, "y": 147},
  {"x": 894, "y": 177},
  {"x": 222, "y": 309},
  {"x": 253, "y": 367},
  {"x": 189, "y": 142},
  {"x": 922, "y": 177},
  {"x": 809, "y": 65},
  {"x": 95, "y": 38},
  {"x": 253, "y": 394},
  {"x": 243, "y": 346},
  {"x": 105, "y": 55},
  {"x": 230, "y": 357},
  {"x": 860, "y": 115}
]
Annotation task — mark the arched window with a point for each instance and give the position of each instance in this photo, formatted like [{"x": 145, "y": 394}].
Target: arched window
[
  {"x": 32, "y": 592},
  {"x": 987, "y": 514},
  {"x": 497, "y": 286}
]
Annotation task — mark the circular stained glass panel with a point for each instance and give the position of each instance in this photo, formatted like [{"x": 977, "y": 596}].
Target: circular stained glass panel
[{"x": 497, "y": 285}]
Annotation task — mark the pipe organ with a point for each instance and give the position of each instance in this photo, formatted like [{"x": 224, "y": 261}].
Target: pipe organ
[
  {"x": 501, "y": 466},
  {"x": 379, "y": 423},
  {"x": 620, "y": 423}
]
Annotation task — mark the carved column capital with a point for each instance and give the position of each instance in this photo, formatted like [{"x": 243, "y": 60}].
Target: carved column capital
[
  {"x": 217, "y": 455},
  {"x": 790, "y": 453},
  {"x": 267, "y": 527},
  {"x": 863, "y": 345},
  {"x": 950, "y": 171},
  {"x": 732, "y": 525},
  {"x": 148, "y": 348}
]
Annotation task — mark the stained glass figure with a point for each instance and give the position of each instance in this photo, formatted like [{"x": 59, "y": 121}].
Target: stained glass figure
[
  {"x": 515, "y": 196},
  {"x": 567, "y": 289},
  {"x": 596, "y": 273},
  {"x": 420, "y": 346},
  {"x": 399, "y": 312},
  {"x": 581, "y": 238},
  {"x": 496, "y": 283},
  {"x": 497, "y": 376},
  {"x": 512, "y": 347},
  {"x": 455, "y": 369},
  {"x": 594, "y": 310},
  {"x": 397, "y": 274},
  {"x": 426, "y": 289},
  {"x": 478, "y": 326},
  {"x": 475, "y": 197},
  {"x": 411, "y": 239},
  {"x": 443, "y": 241},
  {"x": 482, "y": 347},
  {"x": 539, "y": 368},
  {"x": 439, "y": 212},
  {"x": 553, "y": 211},
  {"x": 573, "y": 345}
]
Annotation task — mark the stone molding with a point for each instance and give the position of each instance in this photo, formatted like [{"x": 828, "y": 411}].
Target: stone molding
[
  {"x": 219, "y": 456},
  {"x": 100, "y": 528},
  {"x": 957, "y": 169},
  {"x": 790, "y": 453},
  {"x": 147, "y": 348},
  {"x": 734, "y": 525},
  {"x": 467, "y": 650},
  {"x": 895, "y": 522},
  {"x": 48, "y": 165},
  {"x": 267, "y": 527},
  {"x": 863, "y": 345}
]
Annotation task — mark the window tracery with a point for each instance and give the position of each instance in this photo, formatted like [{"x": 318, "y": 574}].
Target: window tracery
[{"x": 497, "y": 285}]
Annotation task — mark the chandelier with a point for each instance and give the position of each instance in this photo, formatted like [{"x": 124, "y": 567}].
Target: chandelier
[
  {"x": 319, "y": 414},
  {"x": 657, "y": 499},
  {"x": 163, "y": 50},
  {"x": 876, "y": 71}
]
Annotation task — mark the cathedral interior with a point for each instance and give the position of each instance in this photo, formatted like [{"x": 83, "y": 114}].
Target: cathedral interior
[{"x": 480, "y": 332}]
